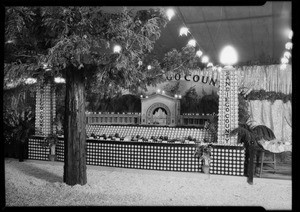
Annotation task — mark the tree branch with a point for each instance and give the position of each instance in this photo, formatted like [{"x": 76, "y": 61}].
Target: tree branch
[{"x": 24, "y": 55}]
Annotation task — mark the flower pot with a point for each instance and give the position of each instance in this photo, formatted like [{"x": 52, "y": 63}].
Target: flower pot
[
  {"x": 52, "y": 149},
  {"x": 205, "y": 169},
  {"x": 52, "y": 157}
]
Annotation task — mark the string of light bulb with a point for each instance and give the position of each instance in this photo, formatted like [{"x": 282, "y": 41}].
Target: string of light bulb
[
  {"x": 193, "y": 42},
  {"x": 287, "y": 54},
  {"x": 117, "y": 48},
  {"x": 170, "y": 13}
]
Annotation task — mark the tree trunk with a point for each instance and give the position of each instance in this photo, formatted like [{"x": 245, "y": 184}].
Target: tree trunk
[{"x": 75, "y": 133}]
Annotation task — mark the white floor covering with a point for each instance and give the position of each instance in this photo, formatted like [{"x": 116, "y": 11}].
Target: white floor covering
[{"x": 39, "y": 183}]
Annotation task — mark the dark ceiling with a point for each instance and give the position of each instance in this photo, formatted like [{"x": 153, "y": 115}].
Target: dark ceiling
[{"x": 254, "y": 31}]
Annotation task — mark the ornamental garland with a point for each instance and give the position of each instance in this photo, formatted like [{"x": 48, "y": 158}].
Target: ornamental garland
[{"x": 268, "y": 95}]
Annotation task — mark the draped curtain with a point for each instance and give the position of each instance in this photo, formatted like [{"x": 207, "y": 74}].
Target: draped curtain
[
  {"x": 268, "y": 78},
  {"x": 277, "y": 116}
]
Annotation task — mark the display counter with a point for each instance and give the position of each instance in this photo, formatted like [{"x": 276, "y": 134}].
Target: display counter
[{"x": 225, "y": 160}]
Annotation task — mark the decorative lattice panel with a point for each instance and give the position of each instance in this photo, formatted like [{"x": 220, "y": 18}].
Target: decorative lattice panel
[
  {"x": 36, "y": 151},
  {"x": 227, "y": 160},
  {"x": 169, "y": 157},
  {"x": 59, "y": 150}
]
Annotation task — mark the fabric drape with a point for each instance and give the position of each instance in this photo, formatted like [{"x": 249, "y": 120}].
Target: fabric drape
[
  {"x": 268, "y": 78},
  {"x": 277, "y": 116}
]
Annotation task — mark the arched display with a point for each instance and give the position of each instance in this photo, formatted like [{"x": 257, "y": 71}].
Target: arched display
[{"x": 150, "y": 119}]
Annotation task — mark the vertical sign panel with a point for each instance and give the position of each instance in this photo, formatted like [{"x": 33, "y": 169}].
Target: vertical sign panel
[
  {"x": 45, "y": 107},
  {"x": 228, "y": 106}
]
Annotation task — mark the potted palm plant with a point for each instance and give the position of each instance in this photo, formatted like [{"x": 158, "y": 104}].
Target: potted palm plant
[
  {"x": 21, "y": 126},
  {"x": 250, "y": 135},
  {"x": 203, "y": 153},
  {"x": 51, "y": 141}
]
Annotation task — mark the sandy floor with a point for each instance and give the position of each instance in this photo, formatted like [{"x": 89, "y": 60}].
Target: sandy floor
[{"x": 39, "y": 183}]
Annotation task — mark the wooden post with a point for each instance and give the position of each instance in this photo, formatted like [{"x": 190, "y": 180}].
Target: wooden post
[{"x": 251, "y": 150}]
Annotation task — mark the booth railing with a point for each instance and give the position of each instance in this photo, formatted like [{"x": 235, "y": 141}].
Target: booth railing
[
  {"x": 106, "y": 118},
  {"x": 113, "y": 118}
]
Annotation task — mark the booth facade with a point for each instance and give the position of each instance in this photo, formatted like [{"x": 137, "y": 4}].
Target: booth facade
[{"x": 160, "y": 113}]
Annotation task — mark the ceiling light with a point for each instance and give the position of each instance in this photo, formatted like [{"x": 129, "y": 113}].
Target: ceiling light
[
  {"x": 284, "y": 60},
  {"x": 289, "y": 45},
  {"x": 228, "y": 55},
  {"x": 287, "y": 54},
  {"x": 199, "y": 53},
  {"x": 290, "y": 35},
  {"x": 117, "y": 49},
  {"x": 192, "y": 42},
  {"x": 183, "y": 31},
  {"x": 170, "y": 13},
  {"x": 59, "y": 80},
  {"x": 30, "y": 81},
  {"x": 205, "y": 59},
  {"x": 282, "y": 66}
]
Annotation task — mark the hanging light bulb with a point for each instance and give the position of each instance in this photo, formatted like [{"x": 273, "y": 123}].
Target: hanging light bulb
[
  {"x": 10, "y": 41},
  {"x": 149, "y": 67},
  {"x": 289, "y": 45},
  {"x": 117, "y": 49},
  {"x": 183, "y": 31},
  {"x": 192, "y": 42},
  {"x": 158, "y": 91},
  {"x": 290, "y": 35},
  {"x": 170, "y": 13},
  {"x": 205, "y": 59},
  {"x": 30, "y": 81},
  {"x": 282, "y": 66},
  {"x": 284, "y": 60},
  {"x": 45, "y": 65},
  {"x": 59, "y": 80},
  {"x": 199, "y": 53},
  {"x": 287, "y": 54},
  {"x": 228, "y": 55}
]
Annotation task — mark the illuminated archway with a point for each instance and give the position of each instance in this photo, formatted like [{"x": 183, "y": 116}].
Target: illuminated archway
[{"x": 150, "y": 113}]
